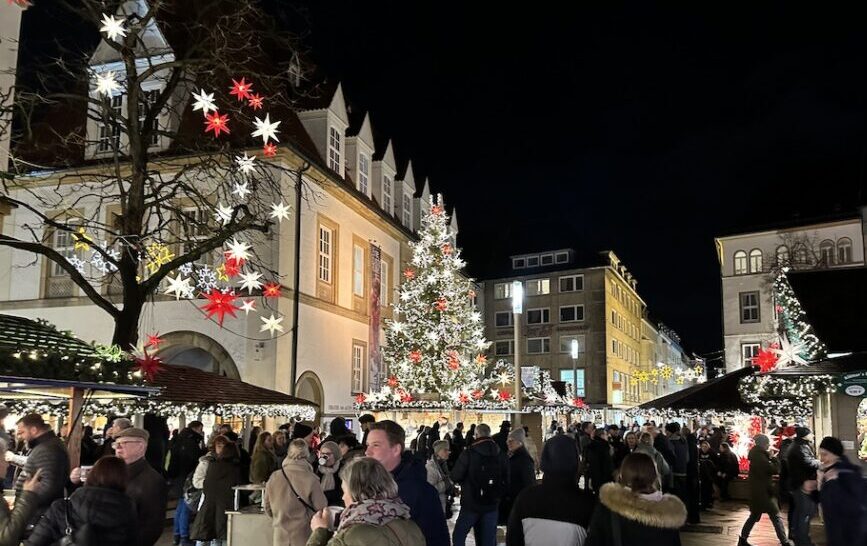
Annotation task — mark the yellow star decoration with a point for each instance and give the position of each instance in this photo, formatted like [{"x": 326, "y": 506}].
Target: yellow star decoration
[
  {"x": 221, "y": 273},
  {"x": 642, "y": 376},
  {"x": 679, "y": 380},
  {"x": 81, "y": 241},
  {"x": 698, "y": 369},
  {"x": 666, "y": 372},
  {"x": 158, "y": 254}
]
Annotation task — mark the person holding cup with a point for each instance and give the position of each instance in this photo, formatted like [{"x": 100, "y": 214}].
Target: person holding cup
[{"x": 374, "y": 512}]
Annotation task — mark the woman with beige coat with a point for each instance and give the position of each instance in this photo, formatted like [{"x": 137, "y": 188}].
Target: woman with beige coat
[{"x": 292, "y": 495}]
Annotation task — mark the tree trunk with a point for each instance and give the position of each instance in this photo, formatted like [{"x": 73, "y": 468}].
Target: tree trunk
[{"x": 126, "y": 325}]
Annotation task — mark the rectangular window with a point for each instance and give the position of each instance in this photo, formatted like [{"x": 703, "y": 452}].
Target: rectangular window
[
  {"x": 614, "y": 346},
  {"x": 407, "y": 211},
  {"x": 538, "y": 345},
  {"x": 363, "y": 174},
  {"x": 538, "y": 316},
  {"x": 519, "y": 263},
  {"x": 504, "y": 347},
  {"x": 64, "y": 244},
  {"x": 547, "y": 259},
  {"x": 109, "y": 130},
  {"x": 561, "y": 257},
  {"x": 386, "y": 195},
  {"x": 358, "y": 271},
  {"x": 198, "y": 224},
  {"x": 359, "y": 356},
  {"x": 578, "y": 385},
  {"x": 334, "y": 162},
  {"x": 572, "y": 283},
  {"x": 148, "y": 98},
  {"x": 537, "y": 287},
  {"x": 503, "y": 319},
  {"x": 566, "y": 344},
  {"x": 571, "y": 313},
  {"x": 749, "y": 307},
  {"x": 502, "y": 290},
  {"x": 326, "y": 250},
  {"x": 749, "y": 351},
  {"x": 533, "y": 261}
]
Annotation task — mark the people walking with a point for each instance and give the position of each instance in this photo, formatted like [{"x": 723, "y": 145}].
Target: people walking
[
  {"x": 803, "y": 466},
  {"x": 600, "y": 465},
  {"x": 293, "y": 495},
  {"x": 762, "y": 496},
  {"x": 522, "y": 473},
  {"x": 842, "y": 495}
]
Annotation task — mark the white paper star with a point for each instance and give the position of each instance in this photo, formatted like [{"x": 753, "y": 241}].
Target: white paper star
[
  {"x": 245, "y": 163},
  {"x": 250, "y": 281},
  {"x": 112, "y": 27},
  {"x": 77, "y": 263},
  {"x": 789, "y": 355},
  {"x": 241, "y": 190},
  {"x": 223, "y": 214},
  {"x": 280, "y": 211},
  {"x": 271, "y": 324},
  {"x": 239, "y": 250},
  {"x": 204, "y": 102},
  {"x": 106, "y": 84},
  {"x": 247, "y": 306},
  {"x": 186, "y": 269},
  {"x": 266, "y": 129},
  {"x": 179, "y": 286}
]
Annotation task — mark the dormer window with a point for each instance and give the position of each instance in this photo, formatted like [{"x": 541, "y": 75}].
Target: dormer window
[
  {"x": 334, "y": 150},
  {"x": 519, "y": 263},
  {"x": 533, "y": 261},
  {"x": 407, "y": 210},
  {"x": 109, "y": 128},
  {"x": 547, "y": 259},
  {"x": 386, "y": 194},
  {"x": 561, "y": 257},
  {"x": 363, "y": 173}
]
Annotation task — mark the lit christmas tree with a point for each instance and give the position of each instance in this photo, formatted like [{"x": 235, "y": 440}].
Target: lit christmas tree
[
  {"x": 793, "y": 326},
  {"x": 436, "y": 343}
]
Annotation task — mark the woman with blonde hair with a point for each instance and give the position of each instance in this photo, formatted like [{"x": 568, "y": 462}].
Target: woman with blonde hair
[
  {"x": 293, "y": 495},
  {"x": 264, "y": 459},
  {"x": 374, "y": 515}
]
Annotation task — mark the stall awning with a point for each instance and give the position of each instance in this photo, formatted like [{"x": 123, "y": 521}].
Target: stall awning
[{"x": 719, "y": 394}]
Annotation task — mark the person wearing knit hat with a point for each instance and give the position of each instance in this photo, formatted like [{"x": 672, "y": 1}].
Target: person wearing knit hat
[
  {"x": 555, "y": 512},
  {"x": 802, "y": 466},
  {"x": 802, "y": 432},
  {"x": 302, "y": 431},
  {"x": 841, "y": 493}
]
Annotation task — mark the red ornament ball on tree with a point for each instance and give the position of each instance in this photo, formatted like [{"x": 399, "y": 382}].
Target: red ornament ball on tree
[
  {"x": 392, "y": 381},
  {"x": 441, "y": 304},
  {"x": 415, "y": 356}
]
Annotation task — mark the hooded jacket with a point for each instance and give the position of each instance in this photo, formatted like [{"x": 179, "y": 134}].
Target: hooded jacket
[
  {"x": 665, "y": 477},
  {"x": 221, "y": 475},
  {"x": 97, "y": 516},
  {"x": 638, "y": 519},
  {"x": 468, "y": 465},
  {"x": 843, "y": 495},
  {"x": 422, "y": 499},
  {"x": 522, "y": 474}
]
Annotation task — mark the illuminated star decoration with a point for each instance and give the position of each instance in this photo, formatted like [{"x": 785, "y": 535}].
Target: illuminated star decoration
[
  {"x": 217, "y": 123},
  {"x": 109, "y": 353},
  {"x": 789, "y": 355},
  {"x": 221, "y": 273},
  {"x": 245, "y": 163},
  {"x": 271, "y": 290},
  {"x": 279, "y": 211},
  {"x": 247, "y": 306},
  {"x": 148, "y": 365},
  {"x": 238, "y": 250},
  {"x": 250, "y": 281},
  {"x": 180, "y": 287},
  {"x": 106, "y": 84},
  {"x": 81, "y": 240},
  {"x": 241, "y": 89},
  {"x": 232, "y": 267},
  {"x": 270, "y": 150},
  {"x": 112, "y": 27},
  {"x": 204, "y": 102},
  {"x": 255, "y": 101},
  {"x": 158, "y": 255},
  {"x": 241, "y": 190},
  {"x": 766, "y": 360},
  {"x": 266, "y": 129},
  {"x": 271, "y": 324},
  {"x": 154, "y": 340},
  {"x": 223, "y": 214},
  {"x": 219, "y": 304},
  {"x": 77, "y": 263}
]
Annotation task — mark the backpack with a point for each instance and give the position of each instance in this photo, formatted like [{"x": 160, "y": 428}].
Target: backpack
[
  {"x": 192, "y": 496},
  {"x": 486, "y": 479}
]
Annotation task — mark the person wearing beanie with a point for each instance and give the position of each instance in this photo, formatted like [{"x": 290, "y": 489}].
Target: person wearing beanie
[
  {"x": 522, "y": 472},
  {"x": 555, "y": 512},
  {"x": 501, "y": 437},
  {"x": 842, "y": 495},
  {"x": 302, "y": 432},
  {"x": 802, "y": 466},
  {"x": 762, "y": 497}
]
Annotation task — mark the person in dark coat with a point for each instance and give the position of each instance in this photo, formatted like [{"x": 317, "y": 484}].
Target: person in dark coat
[
  {"x": 629, "y": 444},
  {"x": 458, "y": 444},
  {"x": 48, "y": 454},
  {"x": 421, "y": 447},
  {"x": 707, "y": 469},
  {"x": 222, "y": 474},
  {"x": 14, "y": 521},
  {"x": 842, "y": 495},
  {"x": 727, "y": 470},
  {"x": 98, "y": 513},
  {"x": 693, "y": 490},
  {"x": 762, "y": 497},
  {"x": 186, "y": 450},
  {"x": 158, "y": 444},
  {"x": 337, "y": 429},
  {"x": 89, "y": 448},
  {"x": 479, "y": 501},
  {"x": 600, "y": 465},
  {"x": 522, "y": 473},
  {"x": 556, "y": 512},
  {"x": 146, "y": 487},
  {"x": 501, "y": 437},
  {"x": 803, "y": 466},
  {"x": 385, "y": 443},
  {"x": 633, "y": 511}
]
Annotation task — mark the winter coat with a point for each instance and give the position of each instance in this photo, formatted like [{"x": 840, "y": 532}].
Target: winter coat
[
  {"x": 707, "y": 466},
  {"x": 13, "y": 522},
  {"x": 843, "y": 496},
  {"x": 263, "y": 464},
  {"x": 663, "y": 445},
  {"x": 554, "y": 513},
  {"x": 665, "y": 477},
  {"x": 186, "y": 451},
  {"x": 762, "y": 470},
  {"x": 289, "y": 517},
  {"x": 334, "y": 496},
  {"x": 640, "y": 520},
  {"x": 802, "y": 463},
  {"x": 149, "y": 493},
  {"x": 97, "y": 516},
  {"x": 467, "y": 467},
  {"x": 458, "y": 445},
  {"x": 422, "y": 499},
  {"x": 500, "y": 439},
  {"x": 337, "y": 430},
  {"x": 440, "y": 479},
  {"x": 398, "y": 532},
  {"x": 221, "y": 476},
  {"x": 621, "y": 451},
  {"x": 599, "y": 463},
  {"x": 522, "y": 474},
  {"x": 727, "y": 464},
  {"x": 680, "y": 448},
  {"x": 47, "y": 453}
]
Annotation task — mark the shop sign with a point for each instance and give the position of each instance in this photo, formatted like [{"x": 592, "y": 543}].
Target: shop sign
[{"x": 855, "y": 383}]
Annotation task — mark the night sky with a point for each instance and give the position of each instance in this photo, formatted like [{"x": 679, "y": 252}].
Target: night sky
[
  {"x": 647, "y": 130},
  {"x": 643, "y": 129}
]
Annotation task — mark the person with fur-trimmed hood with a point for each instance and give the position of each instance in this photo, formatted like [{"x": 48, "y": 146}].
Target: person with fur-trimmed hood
[{"x": 635, "y": 511}]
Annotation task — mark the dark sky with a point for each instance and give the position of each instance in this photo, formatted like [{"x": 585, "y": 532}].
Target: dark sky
[{"x": 647, "y": 130}]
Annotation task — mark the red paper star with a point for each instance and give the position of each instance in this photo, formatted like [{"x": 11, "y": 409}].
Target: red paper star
[
  {"x": 219, "y": 304},
  {"x": 415, "y": 356},
  {"x": 232, "y": 267},
  {"x": 360, "y": 398},
  {"x": 149, "y": 365},
  {"x": 405, "y": 397},
  {"x": 270, "y": 150},
  {"x": 441, "y": 304},
  {"x": 271, "y": 290},
  {"x": 447, "y": 249},
  {"x": 392, "y": 381},
  {"x": 255, "y": 101},
  {"x": 241, "y": 89},
  {"x": 766, "y": 360},
  {"x": 408, "y": 273},
  {"x": 578, "y": 403},
  {"x": 154, "y": 340},
  {"x": 463, "y": 399},
  {"x": 454, "y": 362},
  {"x": 477, "y": 394},
  {"x": 217, "y": 123},
  {"x": 505, "y": 395}
]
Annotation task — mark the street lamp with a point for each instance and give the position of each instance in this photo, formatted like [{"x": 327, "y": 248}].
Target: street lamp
[
  {"x": 575, "y": 366},
  {"x": 517, "y": 308}
]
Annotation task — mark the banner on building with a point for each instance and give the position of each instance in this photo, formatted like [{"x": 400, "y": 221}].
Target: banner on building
[{"x": 375, "y": 356}]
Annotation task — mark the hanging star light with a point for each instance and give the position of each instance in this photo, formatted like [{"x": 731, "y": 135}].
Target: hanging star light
[
  {"x": 241, "y": 190},
  {"x": 250, "y": 281},
  {"x": 154, "y": 340},
  {"x": 266, "y": 129},
  {"x": 112, "y": 27},
  {"x": 766, "y": 360},
  {"x": 241, "y": 89},
  {"x": 247, "y": 306},
  {"x": 217, "y": 123},
  {"x": 789, "y": 354},
  {"x": 82, "y": 242},
  {"x": 232, "y": 267},
  {"x": 271, "y": 290},
  {"x": 220, "y": 304},
  {"x": 106, "y": 84},
  {"x": 270, "y": 150},
  {"x": 179, "y": 286},
  {"x": 158, "y": 254},
  {"x": 77, "y": 263},
  {"x": 246, "y": 164},
  {"x": 204, "y": 102},
  {"x": 207, "y": 278},
  {"x": 223, "y": 214},
  {"x": 238, "y": 250},
  {"x": 221, "y": 273},
  {"x": 279, "y": 211},
  {"x": 255, "y": 101},
  {"x": 271, "y": 324},
  {"x": 148, "y": 365}
]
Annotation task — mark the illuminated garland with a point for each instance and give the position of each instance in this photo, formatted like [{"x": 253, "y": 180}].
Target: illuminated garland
[
  {"x": 793, "y": 321},
  {"x": 786, "y": 396},
  {"x": 69, "y": 367}
]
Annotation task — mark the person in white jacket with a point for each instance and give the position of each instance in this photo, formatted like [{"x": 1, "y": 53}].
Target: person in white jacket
[{"x": 438, "y": 474}]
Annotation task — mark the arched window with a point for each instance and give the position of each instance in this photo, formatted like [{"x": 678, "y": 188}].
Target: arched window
[
  {"x": 740, "y": 262},
  {"x": 755, "y": 261},
  {"x": 801, "y": 256},
  {"x": 782, "y": 255},
  {"x": 826, "y": 252},
  {"x": 844, "y": 250}
]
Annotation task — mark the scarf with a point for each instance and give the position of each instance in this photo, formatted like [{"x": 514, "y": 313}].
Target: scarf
[
  {"x": 377, "y": 512},
  {"x": 328, "y": 472}
]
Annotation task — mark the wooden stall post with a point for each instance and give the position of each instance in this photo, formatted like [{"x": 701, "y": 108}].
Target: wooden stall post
[{"x": 76, "y": 431}]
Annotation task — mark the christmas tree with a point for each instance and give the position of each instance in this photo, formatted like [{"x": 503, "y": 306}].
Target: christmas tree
[
  {"x": 793, "y": 326},
  {"x": 436, "y": 344}
]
